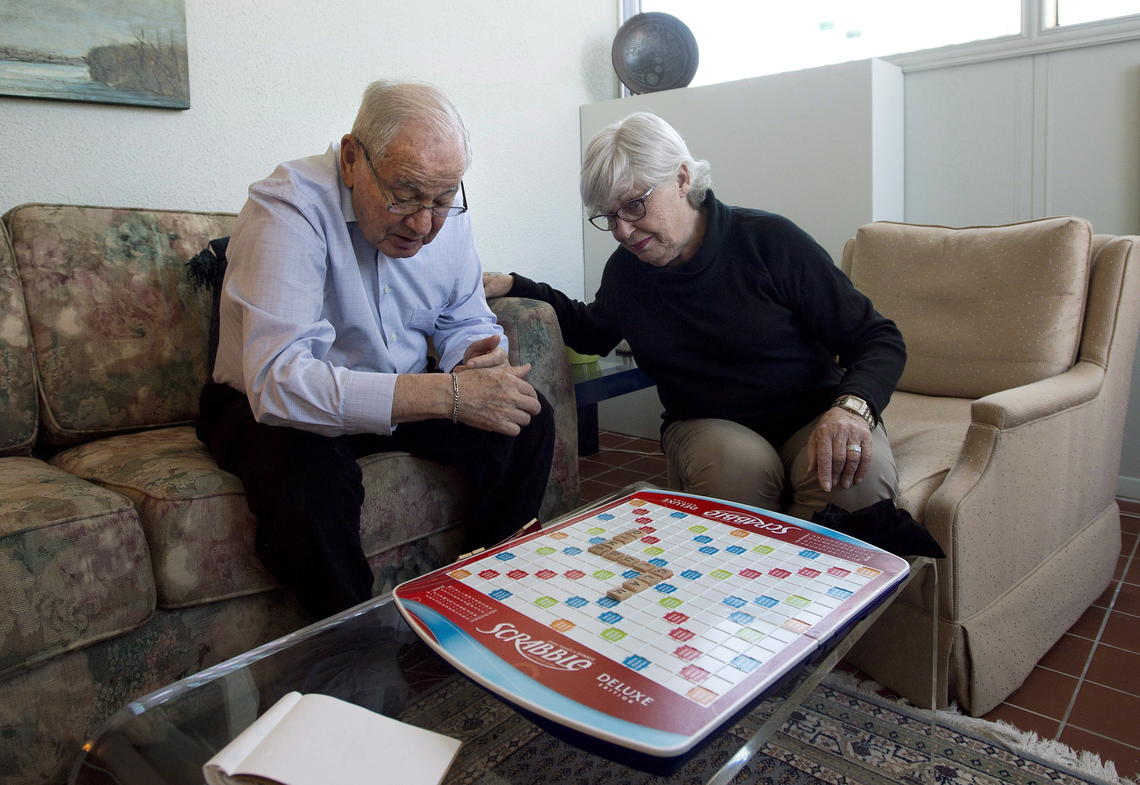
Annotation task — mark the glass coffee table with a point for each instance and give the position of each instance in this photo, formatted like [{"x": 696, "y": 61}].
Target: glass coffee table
[{"x": 368, "y": 655}]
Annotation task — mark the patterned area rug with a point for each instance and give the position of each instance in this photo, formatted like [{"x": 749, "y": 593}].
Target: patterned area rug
[{"x": 841, "y": 735}]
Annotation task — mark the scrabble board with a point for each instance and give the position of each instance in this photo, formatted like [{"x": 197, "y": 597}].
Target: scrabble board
[{"x": 650, "y": 620}]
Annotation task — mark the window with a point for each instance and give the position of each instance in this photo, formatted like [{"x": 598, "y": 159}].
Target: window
[
  {"x": 742, "y": 38},
  {"x": 1059, "y": 13}
]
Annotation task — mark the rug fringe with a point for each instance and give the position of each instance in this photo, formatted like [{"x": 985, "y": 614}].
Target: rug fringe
[{"x": 1009, "y": 736}]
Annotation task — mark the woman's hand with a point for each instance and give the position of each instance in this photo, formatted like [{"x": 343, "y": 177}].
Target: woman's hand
[
  {"x": 497, "y": 284},
  {"x": 840, "y": 447}
]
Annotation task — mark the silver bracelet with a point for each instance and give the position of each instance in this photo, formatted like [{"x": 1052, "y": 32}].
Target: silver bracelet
[{"x": 454, "y": 398}]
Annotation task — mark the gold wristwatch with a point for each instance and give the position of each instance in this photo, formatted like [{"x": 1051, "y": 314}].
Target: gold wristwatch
[{"x": 857, "y": 405}]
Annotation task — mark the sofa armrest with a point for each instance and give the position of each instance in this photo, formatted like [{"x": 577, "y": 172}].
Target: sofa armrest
[
  {"x": 1012, "y": 498},
  {"x": 531, "y": 327}
]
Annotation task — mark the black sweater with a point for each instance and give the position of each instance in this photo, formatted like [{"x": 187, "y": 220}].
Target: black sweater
[{"x": 748, "y": 330}]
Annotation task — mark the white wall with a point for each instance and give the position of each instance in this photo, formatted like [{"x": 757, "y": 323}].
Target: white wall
[
  {"x": 272, "y": 80},
  {"x": 1033, "y": 136}
]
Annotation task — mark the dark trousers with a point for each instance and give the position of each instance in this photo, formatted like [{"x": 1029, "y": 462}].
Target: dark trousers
[{"x": 306, "y": 490}]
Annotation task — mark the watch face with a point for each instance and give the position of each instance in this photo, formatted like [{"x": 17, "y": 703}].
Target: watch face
[{"x": 856, "y": 406}]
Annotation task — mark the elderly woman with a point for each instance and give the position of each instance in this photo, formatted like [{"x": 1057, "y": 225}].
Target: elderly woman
[{"x": 773, "y": 371}]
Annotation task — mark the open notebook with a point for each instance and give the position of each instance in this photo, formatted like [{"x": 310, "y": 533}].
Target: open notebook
[{"x": 316, "y": 739}]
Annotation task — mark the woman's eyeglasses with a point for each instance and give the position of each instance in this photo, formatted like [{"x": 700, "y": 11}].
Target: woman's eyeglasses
[{"x": 633, "y": 210}]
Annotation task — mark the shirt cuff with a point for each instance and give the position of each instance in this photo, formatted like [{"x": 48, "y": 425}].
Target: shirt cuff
[{"x": 367, "y": 402}]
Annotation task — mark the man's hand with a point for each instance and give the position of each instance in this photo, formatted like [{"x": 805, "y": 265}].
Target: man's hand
[
  {"x": 493, "y": 394},
  {"x": 840, "y": 448},
  {"x": 497, "y": 399},
  {"x": 497, "y": 284},
  {"x": 484, "y": 353}
]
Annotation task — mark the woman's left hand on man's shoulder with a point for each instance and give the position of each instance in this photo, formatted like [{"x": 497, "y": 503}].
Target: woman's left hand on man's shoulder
[{"x": 497, "y": 284}]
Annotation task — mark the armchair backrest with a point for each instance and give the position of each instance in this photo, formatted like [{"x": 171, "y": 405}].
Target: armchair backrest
[
  {"x": 982, "y": 308},
  {"x": 1106, "y": 316}
]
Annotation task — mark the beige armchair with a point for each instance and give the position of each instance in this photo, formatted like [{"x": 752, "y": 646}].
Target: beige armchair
[{"x": 1007, "y": 428}]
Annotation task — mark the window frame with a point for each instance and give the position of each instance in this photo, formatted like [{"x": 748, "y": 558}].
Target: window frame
[{"x": 1035, "y": 38}]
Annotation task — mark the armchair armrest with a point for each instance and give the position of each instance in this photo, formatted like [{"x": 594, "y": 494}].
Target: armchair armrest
[
  {"x": 531, "y": 327},
  {"x": 1021, "y": 405},
  {"x": 1008, "y": 502}
]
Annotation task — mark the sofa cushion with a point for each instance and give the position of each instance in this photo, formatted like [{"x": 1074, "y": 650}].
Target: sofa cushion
[
  {"x": 18, "y": 408},
  {"x": 982, "y": 309},
  {"x": 120, "y": 333},
  {"x": 198, "y": 527},
  {"x": 201, "y": 532},
  {"x": 926, "y": 433},
  {"x": 74, "y": 567},
  {"x": 407, "y": 498}
]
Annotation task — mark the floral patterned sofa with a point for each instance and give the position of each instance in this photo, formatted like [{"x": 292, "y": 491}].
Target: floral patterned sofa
[{"x": 126, "y": 555}]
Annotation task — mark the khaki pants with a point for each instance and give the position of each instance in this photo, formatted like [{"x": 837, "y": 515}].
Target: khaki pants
[{"x": 723, "y": 459}]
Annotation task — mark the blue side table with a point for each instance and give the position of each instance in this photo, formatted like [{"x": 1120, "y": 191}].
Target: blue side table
[{"x": 606, "y": 378}]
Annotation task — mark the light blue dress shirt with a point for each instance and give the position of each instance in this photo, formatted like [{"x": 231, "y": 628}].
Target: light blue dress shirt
[{"x": 316, "y": 323}]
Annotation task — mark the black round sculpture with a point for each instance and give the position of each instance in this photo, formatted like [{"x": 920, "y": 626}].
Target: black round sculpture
[{"x": 654, "y": 51}]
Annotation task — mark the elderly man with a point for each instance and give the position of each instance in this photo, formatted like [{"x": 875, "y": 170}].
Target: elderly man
[{"x": 341, "y": 267}]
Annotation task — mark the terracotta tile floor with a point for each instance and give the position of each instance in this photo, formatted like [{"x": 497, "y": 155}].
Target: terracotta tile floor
[{"x": 1085, "y": 692}]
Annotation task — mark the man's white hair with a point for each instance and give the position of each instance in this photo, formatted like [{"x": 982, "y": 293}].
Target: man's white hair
[
  {"x": 387, "y": 106},
  {"x": 634, "y": 154}
]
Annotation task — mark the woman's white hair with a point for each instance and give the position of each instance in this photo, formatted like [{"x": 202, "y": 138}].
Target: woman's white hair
[
  {"x": 387, "y": 106},
  {"x": 634, "y": 154}
]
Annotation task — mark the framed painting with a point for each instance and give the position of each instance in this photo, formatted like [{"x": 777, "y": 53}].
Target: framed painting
[{"x": 105, "y": 51}]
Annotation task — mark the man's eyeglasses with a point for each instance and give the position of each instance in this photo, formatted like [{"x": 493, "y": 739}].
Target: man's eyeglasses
[
  {"x": 633, "y": 210},
  {"x": 411, "y": 207}
]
